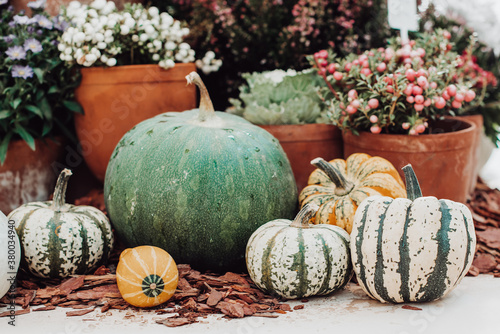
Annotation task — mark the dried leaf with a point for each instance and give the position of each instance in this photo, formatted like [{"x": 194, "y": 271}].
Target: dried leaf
[{"x": 78, "y": 313}]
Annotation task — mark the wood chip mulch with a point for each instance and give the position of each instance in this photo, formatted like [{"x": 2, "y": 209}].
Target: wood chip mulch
[
  {"x": 197, "y": 295},
  {"x": 485, "y": 207}
]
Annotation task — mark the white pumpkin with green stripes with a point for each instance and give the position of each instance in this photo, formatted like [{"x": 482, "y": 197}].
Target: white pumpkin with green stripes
[
  {"x": 59, "y": 239},
  {"x": 296, "y": 259},
  {"x": 411, "y": 250}
]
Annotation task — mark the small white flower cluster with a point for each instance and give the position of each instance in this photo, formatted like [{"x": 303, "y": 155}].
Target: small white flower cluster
[
  {"x": 208, "y": 63},
  {"x": 102, "y": 35},
  {"x": 277, "y": 76}
]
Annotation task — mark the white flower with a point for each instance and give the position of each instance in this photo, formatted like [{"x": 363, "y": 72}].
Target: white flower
[
  {"x": 111, "y": 23},
  {"x": 143, "y": 37},
  {"x": 184, "y": 46},
  {"x": 130, "y": 22},
  {"x": 156, "y": 57},
  {"x": 61, "y": 47},
  {"x": 153, "y": 11},
  {"x": 108, "y": 33},
  {"x": 104, "y": 58},
  {"x": 109, "y": 40},
  {"x": 91, "y": 58},
  {"x": 124, "y": 29},
  {"x": 98, "y": 4},
  {"x": 210, "y": 55},
  {"x": 74, "y": 5},
  {"x": 135, "y": 38},
  {"x": 102, "y": 45},
  {"x": 149, "y": 29},
  {"x": 157, "y": 44},
  {"x": 98, "y": 37},
  {"x": 68, "y": 51},
  {"x": 111, "y": 62},
  {"x": 79, "y": 37},
  {"x": 110, "y": 6}
]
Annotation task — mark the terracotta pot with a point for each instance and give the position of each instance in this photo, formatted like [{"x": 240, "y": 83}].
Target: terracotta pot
[
  {"x": 115, "y": 99},
  {"x": 476, "y": 153},
  {"x": 441, "y": 160},
  {"x": 26, "y": 175},
  {"x": 303, "y": 143},
  {"x": 52, "y": 6}
]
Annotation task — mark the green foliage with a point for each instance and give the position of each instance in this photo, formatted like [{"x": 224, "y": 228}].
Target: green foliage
[
  {"x": 279, "y": 97},
  {"x": 37, "y": 87}
]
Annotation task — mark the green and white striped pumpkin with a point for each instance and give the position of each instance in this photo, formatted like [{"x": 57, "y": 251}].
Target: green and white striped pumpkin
[
  {"x": 59, "y": 239},
  {"x": 411, "y": 250},
  {"x": 10, "y": 254},
  {"x": 296, "y": 259}
]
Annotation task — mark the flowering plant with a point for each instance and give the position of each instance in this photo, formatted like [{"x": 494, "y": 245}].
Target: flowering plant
[
  {"x": 257, "y": 36},
  {"x": 398, "y": 89},
  {"x": 101, "y": 35},
  {"x": 37, "y": 87}
]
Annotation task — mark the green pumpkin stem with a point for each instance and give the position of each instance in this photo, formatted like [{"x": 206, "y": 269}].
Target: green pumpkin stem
[
  {"x": 342, "y": 185},
  {"x": 206, "y": 107},
  {"x": 59, "y": 197},
  {"x": 305, "y": 214},
  {"x": 413, "y": 190}
]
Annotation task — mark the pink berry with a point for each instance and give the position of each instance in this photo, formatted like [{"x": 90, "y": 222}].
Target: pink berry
[
  {"x": 381, "y": 67},
  {"x": 456, "y": 104},
  {"x": 459, "y": 97},
  {"x": 373, "y": 103},
  {"x": 406, "y": 125},
  {"x": 389, "y": 89},
  {"x": 422, "y": 82},
  {"x": 469, "y": 96},
  {"x": 350, "y": 110},
  {"x": 433, "y": 85},
  {"x": 322, "y": 71},
  {"x": 365, "y": 64},
  {"x": 427, "y": 102},
  {"x": 419, "y": 99},
  {"x": 373, "y": 118},
  {"x": 440, "y": 103},
  {"x": 410, "y": 74},
  {"x": 353, "y": 94},
  {"x": 348, "y": 67},
  {"x": 409, "y": 89},
  {"x": 446, "y": 34},
  {"x": 331, "y": 68},
  {"x": 421, "y": 73},
  {"x": 445, "y": 95},
  {"x": 452, "y": 90},
  {"x": 418, "y": 107},
  {"x": 362, "y": 58},
  {"x": 421, "y": 52},
  {"x": 324, "y": 63},
  {"x": 413, "y": 132},
  {"x": 355, "y": 104},
  {"x": 338, "y": 76},
  {"x": 417, "y": 90},
  {"x": 420, "y": 128},
  {"x": 365, "y": 71},
  {"x": 322, "y": 54},
  {"x": 410, "y": 99},
  {"x": 375, "y": 129},
  {"x": 355, "y": 62}
]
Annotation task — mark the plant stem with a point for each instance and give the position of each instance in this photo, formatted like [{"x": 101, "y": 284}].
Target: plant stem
[
  {"x": 206, "y": 108},
  {"x": 413, "y": 190},
  {"x": 304, "y": 215},
  {"x": 58, "y": 200},
  {"x": 342, "y": 185}
]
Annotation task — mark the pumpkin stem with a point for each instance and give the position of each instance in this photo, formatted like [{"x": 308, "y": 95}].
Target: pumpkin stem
[
  {"x": 304, "y": 215},
  {"x": 413, "y": 190},
  {"x": 58, "y": 199},
  {"x": 342, "y": 185},
  {"x": 206, "y": 107}
]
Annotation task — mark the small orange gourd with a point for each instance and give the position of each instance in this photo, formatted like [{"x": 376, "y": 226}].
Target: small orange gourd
[{"x": 146, "y": 276}]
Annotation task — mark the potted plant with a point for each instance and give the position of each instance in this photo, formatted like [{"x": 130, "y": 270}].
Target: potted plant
[
  {"x": 129, "y": 73},
  {"x": 37, "y": 105},
  {"x": 392, "y": 101},
  {"x": 288, "y": 105}
]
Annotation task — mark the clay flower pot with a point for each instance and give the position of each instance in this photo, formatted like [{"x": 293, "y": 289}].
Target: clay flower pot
[
  {"x": 26, "y": 175},
  {"x": 115, "y": 99},
  {"x": 305, "y": 142},
  {"x": 442, "y": 160}
]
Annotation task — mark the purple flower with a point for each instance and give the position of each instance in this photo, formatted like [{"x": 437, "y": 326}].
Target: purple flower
[
  {"x": 43, "y": 21},
  {"x": 59, "y": 23},
  {"x": 21, "y": 19},
  {"x": 33, "y": 44},
  {"x": 38, "y": 4},
  {"x": 16, "y": 52},
  {"x": 9, "y": 38},
  {"x": 24, "y": 72}
]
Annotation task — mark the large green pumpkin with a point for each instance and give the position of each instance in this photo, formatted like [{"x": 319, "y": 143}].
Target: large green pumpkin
[{"x": 198, "y": 184}]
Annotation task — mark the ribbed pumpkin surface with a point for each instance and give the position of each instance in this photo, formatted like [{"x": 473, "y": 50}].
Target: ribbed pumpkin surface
[
  {"x": 146, "y": 276},
  {"x": 367, "y": 176},
  {"x": 297, "y": 262},
  {"x": 197, "y": 189},
  {"x": 411, "y": 251}
]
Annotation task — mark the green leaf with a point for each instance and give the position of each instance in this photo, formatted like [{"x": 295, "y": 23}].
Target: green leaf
[
  {"x": 46, "y": 109},
  {"x": 16, "y": 103},
  {"x": 73, "y": 106},
  {"x": 35, "y": 110},
  {"x": 4, "y": 147},
  {"x": 47, "y": 127},
  {"x": 39, "y": 74},
  {"x": 53, "y": 89},
  {"x": 5, "y": 114},
  {"x": 26, "y": 136}
]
